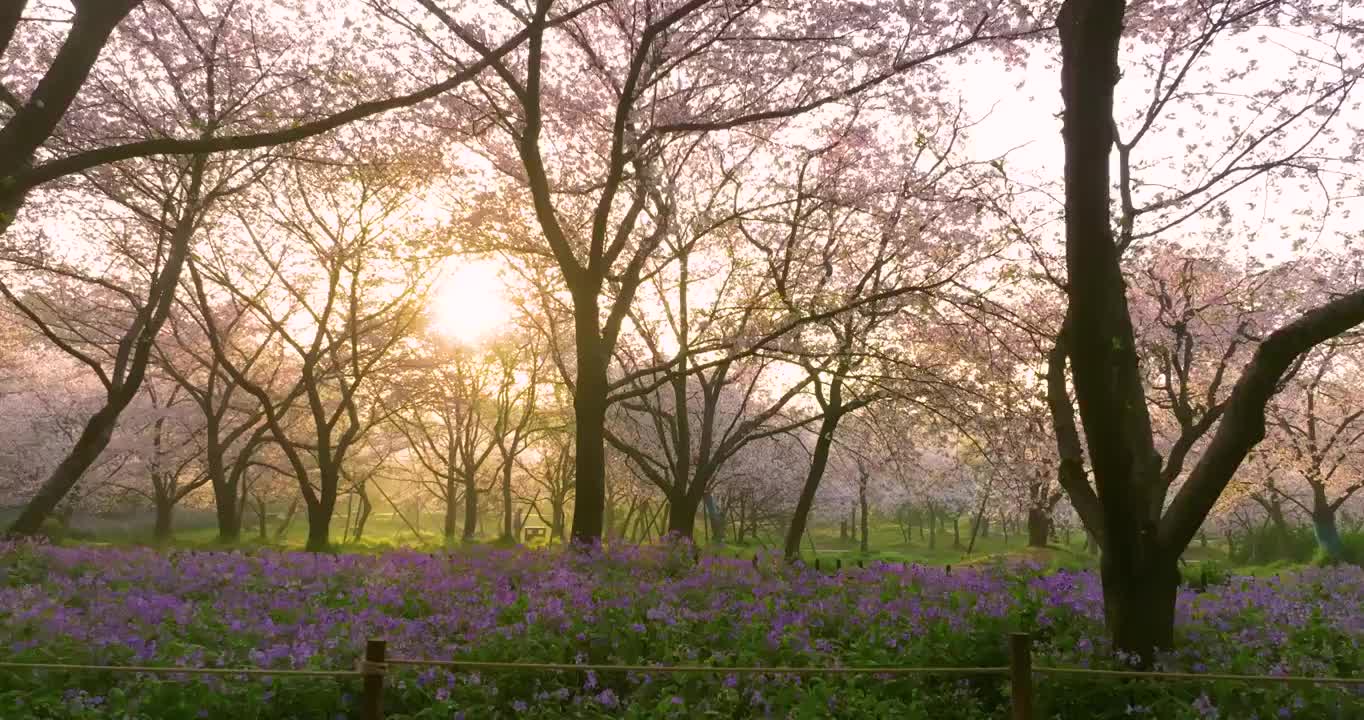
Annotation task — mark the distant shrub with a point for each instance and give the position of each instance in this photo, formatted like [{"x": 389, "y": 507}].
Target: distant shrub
[
  {"x": 1205, "y": 574},
  {"x": 1268, "y": 544},
  {"x": 1353, "y": 551}
]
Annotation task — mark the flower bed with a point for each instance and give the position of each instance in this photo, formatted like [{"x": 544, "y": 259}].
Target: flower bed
[{"x": 634, "y": 606}]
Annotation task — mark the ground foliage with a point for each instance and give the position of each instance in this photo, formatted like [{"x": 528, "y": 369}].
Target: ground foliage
[{"x": 635, "y": 606}]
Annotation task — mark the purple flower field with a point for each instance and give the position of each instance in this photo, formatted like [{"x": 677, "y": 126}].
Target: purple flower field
[{"x": 634, "y": 606}]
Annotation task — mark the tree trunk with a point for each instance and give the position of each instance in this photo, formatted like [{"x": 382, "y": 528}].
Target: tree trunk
[
  {"x": 470, "y": 509},
  {"x": 508, "y": 519},
  {"x": 589, "y": 411},
  {"x": 260, "y": 519},
  {"x": 682, "y": 510},
  {"x": 366, "y": 507},
  {"x": 451, "y": 514},
  {"x": 1139, "y": 599},
  {"x": 716, "y": 518},
  {"x": 134, "y": 347},
  {"x": 321, "y": 508},
  {"x": 1281, "y": 532},
  {"x": 165, "y": 513},
  {"x": 1324, "y": 526},
  {"x": 956, "y": 532},
  {"x": 557, "y": 521},
  {"x": 319, "y": 527},
  {"x": 1038, "y": 525},
  {"x": 242, "y": 492},
  {"x": 819, "y": 460},
  {"x": 288, "y": 520},
  {"x": 225, "y": 500},
  {"x": 33, "y": 123},
  {"x": 932, "y": 527},
  {"x": 862, "y": 499},
  {"x": 624, "y": 531},
  {"x": 92, "y": 441}
]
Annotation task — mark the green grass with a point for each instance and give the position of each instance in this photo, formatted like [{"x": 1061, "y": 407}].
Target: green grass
[{"x": 195, "y": 531}]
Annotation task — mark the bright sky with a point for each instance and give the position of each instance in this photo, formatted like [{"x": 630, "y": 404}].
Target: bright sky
[
  {"x": 470, "y": 303},
  {"x": 1018, "y": 113}
]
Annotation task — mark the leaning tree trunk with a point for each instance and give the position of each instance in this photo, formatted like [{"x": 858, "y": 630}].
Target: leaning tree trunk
[
  {"x": 34, "y": 121},
  {"x": 134, "y": 350},
  {"x": 819, "y": 460},
  {"x": 366, "y": 507},
  {"x": 92, "y": 441},
  {"x": 287, "y": 521}
]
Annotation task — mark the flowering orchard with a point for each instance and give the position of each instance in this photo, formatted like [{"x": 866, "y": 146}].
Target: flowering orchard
[{"x": 631, "y": 605}]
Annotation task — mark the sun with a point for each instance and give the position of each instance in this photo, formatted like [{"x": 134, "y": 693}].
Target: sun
[{"x": 469, "y": 304}]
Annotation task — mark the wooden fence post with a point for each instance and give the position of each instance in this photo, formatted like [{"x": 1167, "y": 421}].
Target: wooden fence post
[
  {"x": 1020, "y": 675},
  {"x": 372, "y": 697}
]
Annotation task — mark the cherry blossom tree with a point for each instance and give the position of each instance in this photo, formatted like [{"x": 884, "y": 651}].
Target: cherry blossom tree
[
  {"x": 599, "y": 117},
  {"x": 324, "y": 261},
  {"x": 1142, "y": 537},
  {"x": 1318, "y": 424},
  {"x": 311, "y": 86},
  {"x": 450, "y": 426}
]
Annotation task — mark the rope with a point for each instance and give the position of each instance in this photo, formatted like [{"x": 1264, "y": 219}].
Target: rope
[
  {"x": 368, "y": 668},
  {"x": 1199, "y": 676},
  {"x": 712, "y": 669},
  {"x": 162, "y": 670}
]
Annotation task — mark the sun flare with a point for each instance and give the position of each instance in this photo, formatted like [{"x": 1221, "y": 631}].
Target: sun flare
[{"x": 470, "y": 302}]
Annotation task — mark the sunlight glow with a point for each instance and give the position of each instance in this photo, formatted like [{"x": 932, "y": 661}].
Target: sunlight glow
[{"x": 470, "y": 303}]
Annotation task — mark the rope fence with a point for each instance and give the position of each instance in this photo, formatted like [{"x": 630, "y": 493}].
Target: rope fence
[
  {"x": 165, "y": 670},
  {"x": 375, "y": 666}
]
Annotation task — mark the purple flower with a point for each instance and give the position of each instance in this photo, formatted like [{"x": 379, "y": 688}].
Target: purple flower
[{"x": 1205, "y": 707}]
